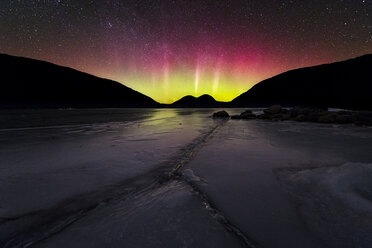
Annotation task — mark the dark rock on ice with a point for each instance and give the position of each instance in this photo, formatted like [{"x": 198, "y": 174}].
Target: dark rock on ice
[
  {"x": 221, "y": 114},
  {"x": 300, "y": 117},
  {"x": 327, "y": 118},
  {"x": 275, "y": 109},
  {"x": 248, "y": 115}
]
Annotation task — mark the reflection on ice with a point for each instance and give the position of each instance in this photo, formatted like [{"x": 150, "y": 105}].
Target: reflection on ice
[
  {"x": 88, "y": 176},
  {"x": 56, "y": 154}
]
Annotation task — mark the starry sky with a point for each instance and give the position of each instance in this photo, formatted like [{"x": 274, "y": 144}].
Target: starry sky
[{"x": 167, "y": 49}]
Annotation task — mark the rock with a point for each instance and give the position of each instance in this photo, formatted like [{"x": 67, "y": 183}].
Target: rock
[
  {"x": 313, "y": 117},
  {"x": 298, "y": 111},
  {"x": 275, "y": 109},
  {"x": 263, "y": 116},
  {"x": 310, "y": 114},
  {"x": 344, "y": 112},
  {"x": 276, "y": 117},
  {"x": 327, "y": 118},
  {"x": 284, "y": 111},
  {"x": 344, "y": 119},
  {"x": 248, "y": 115},
  {"x": 221, "y": 114},
  {"x": 286, "y": 117},
  {"x": 274, "y": 120},
  {"x": 304, "y": 111},
  {"x": 247, "y": 112},
  {"x": 300, "y": 117},
  {"x": 362, "y": 118}
]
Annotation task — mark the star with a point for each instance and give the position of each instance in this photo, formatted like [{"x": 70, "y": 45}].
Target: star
[{"x": 232, "y": 44}]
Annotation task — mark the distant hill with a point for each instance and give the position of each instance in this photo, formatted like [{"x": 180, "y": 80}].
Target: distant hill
[
  {"x": 346, "y": 84},
  {"x": 29, "y": 83},
  {"x": 204, "y": 101}
]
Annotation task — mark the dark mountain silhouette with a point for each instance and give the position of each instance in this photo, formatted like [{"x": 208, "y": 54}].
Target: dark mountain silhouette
[
  {"x": 32, "y": 83},
  {"x": 346, "y": 84},
  {"x": 204, "y": 101}
]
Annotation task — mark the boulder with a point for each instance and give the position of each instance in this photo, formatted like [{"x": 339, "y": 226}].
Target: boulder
[
  {"x": 280, "y": 117},
  {"x": 313, "y": 116},
  {"x": 263, "y": 116},
  {"x": 300, "y": 117},
  {"x": 247, "y": 112},
  {"x": 275, "y": 109},
  {"x": 284, "y": 111},
  {"x": 298, "y": 111},
  {"x": 344, "y": 118},
  {"x": 221, "y": 114},
  {"x": 327, "y": 118},
  {"x": 304, "y": 111},
  {"x": 362, "y": 118},
  {"x": 248, "y": 115},
  {"x": 286, "y": 117}
]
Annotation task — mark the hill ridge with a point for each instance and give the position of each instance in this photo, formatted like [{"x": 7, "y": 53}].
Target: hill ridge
[
  {"x": 342, "y": 84},
  {"x": 35, "y": 83}
]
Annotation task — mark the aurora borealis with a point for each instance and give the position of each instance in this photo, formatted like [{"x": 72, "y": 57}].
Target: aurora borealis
[{"x": 167, "y": 49}]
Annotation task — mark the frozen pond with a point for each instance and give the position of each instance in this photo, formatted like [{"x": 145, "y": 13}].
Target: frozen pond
[
  {"x": 290, "y": 184},
  {"x": 178, "y": 178}
]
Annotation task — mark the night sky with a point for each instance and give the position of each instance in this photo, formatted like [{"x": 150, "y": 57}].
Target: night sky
[{"x": 167, "y": 49}]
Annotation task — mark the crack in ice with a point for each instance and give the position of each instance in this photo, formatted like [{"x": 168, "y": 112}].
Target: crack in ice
[{"x": 43, "y": 224}]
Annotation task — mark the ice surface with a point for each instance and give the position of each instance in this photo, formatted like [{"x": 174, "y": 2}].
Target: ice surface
[
  {"x": 41, "y": 165},
  {"x": 240, "y": 167},
  {"x": 336, "y": 202},
  {"x": 107, "y": 178},
  {"x": 168, "y": 216}
]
